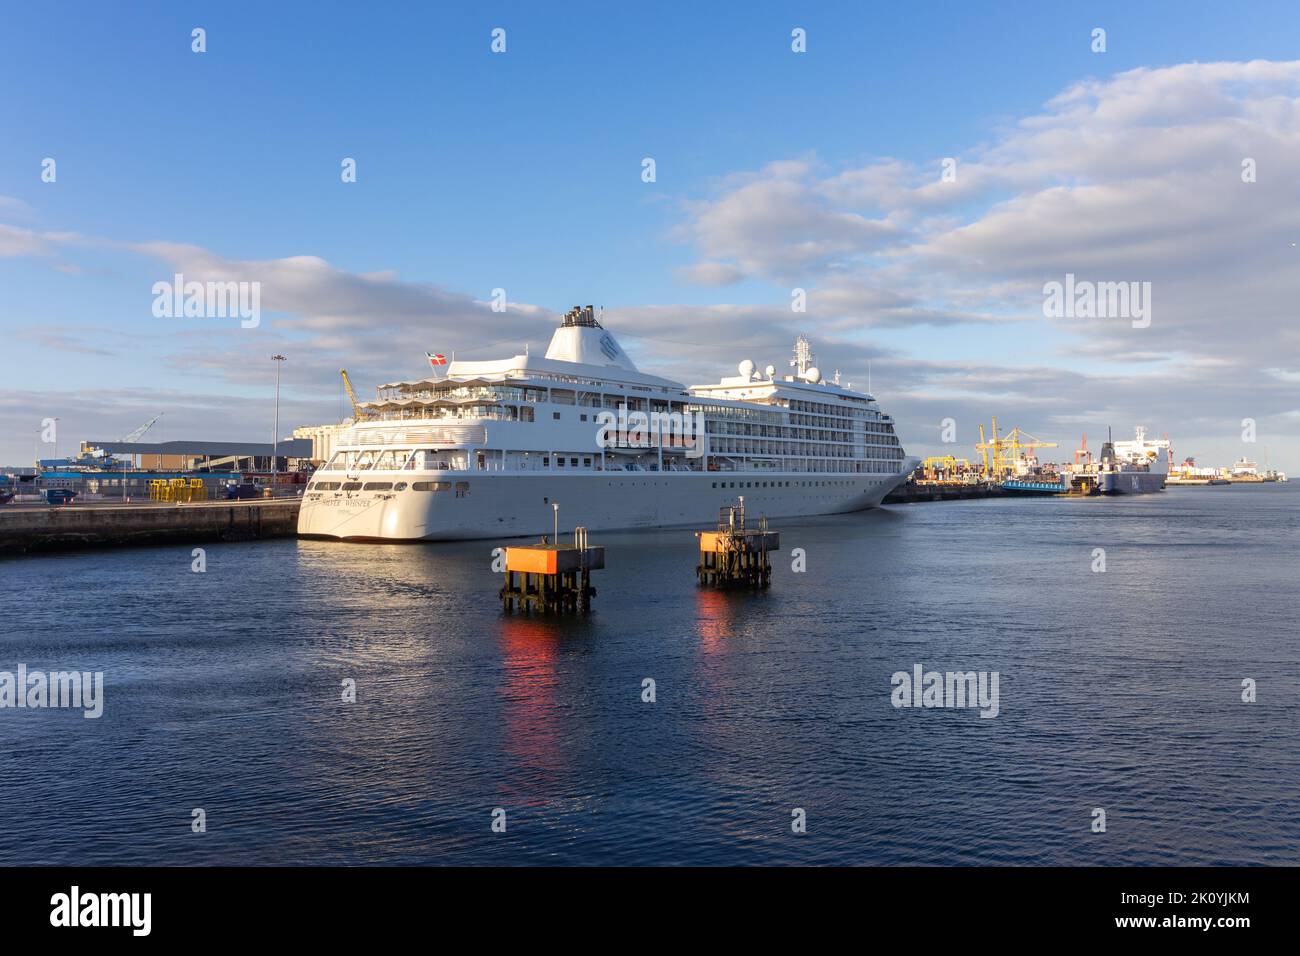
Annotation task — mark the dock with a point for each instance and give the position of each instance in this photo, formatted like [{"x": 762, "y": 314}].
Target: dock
[
  {"x": 913, "y": 491},
  {"x": 550, "y": 577},
  {"x": 31, "y": 529},
  {"x": 734, "y": 556}
]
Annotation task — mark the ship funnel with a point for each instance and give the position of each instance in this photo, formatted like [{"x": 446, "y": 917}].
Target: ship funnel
[{"x": 581, "y": 338}]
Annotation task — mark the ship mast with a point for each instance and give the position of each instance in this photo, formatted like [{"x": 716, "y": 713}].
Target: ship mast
[{"x": 803, "y": 355}]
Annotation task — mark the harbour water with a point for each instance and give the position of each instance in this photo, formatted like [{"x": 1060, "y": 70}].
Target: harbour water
[{"x": 1119, "y": 690}]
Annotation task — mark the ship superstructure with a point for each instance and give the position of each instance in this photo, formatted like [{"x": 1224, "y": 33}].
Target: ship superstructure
[
  {"x": 488, "y": 449},
  {"x": 1134, "y": 467}
]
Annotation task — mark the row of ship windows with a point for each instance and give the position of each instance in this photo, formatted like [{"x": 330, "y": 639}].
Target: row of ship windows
[
  {"x": 720, "y": 420},
  {"x": 461, "y": 488},
  {"x": 724, "y": 446},
  {"x": 781, "y": 431},
  {"x": 782, "y": 484},
  {"x": 564, "y": 396}
]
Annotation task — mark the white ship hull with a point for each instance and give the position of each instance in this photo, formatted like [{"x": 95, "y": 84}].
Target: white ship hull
[{"x": 514, "y": 505}]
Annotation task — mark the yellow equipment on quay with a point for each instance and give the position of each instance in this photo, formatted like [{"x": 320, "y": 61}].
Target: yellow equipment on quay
[{"x": 178, "y": 490}]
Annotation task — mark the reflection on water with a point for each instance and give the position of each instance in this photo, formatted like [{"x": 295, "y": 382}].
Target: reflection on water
[
  {"x": 224, "y": 690},
  {"x": 529, "y": 690},
  {"x": 715, "y": 611}
]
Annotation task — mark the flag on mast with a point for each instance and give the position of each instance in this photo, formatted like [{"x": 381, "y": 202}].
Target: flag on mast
[{"x": 436, "y": 360}]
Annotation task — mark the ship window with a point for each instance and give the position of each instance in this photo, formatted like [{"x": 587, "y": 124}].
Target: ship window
[
  {"x": 378, "y": 486},
  {"x": 546, "y": 461},
  {"x": 462, "y": 488},
  {"x": 586, "y": 463},
  {"x": 583, "y": 417},
  {"x": 431, "y": 486},
  {"x": 559, "y": 462},
  {"x": 555, "y": 415},
  {"x": 400, "y": 486},
  {"x": 351, "y": 486},
  {"x": 326, "y": 486},
  {"x": 574, "y": 462}
]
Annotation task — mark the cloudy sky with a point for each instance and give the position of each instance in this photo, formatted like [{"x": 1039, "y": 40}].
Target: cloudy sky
[{"x": 1172, "y": 158}]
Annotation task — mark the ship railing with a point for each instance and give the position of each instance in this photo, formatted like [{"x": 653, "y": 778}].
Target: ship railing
[{"x": 454, "y": 433}]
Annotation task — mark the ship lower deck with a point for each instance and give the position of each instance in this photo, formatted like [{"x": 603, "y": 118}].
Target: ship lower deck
[{"x": 473, "y": 505}]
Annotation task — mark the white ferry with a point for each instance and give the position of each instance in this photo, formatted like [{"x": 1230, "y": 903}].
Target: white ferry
[{"x": 492, "y": 449}]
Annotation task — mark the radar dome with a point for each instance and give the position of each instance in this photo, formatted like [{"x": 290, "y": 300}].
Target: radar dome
[
  {"x": 813, "y": 375},
  {"x": 770, "y": 371},
  {"x": 746, "y": 368}
]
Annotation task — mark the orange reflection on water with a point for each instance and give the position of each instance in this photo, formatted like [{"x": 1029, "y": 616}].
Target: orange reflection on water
[
  {"x": 530, "y": 649},
  {"x": 715, "y": 614}
]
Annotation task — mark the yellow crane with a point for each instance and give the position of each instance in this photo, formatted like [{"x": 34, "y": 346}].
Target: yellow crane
[
  {"x": 944, "y": 464},
  {"x": 1006, "y": 451},
  {"x": 358, "y": 412}
]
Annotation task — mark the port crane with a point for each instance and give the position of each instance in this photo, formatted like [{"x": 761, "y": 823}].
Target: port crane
[
  {"x": 358, "y": 412},
  {"x": 1006, "y": 450},
  {"x": 139, "y": 432},
  {"x": 1082, "y": 456},
  {"x": 937, "y": 466},
  {"x": 97, "y": 456}
]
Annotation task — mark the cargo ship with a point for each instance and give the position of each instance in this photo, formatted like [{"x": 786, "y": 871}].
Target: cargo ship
[{"x": 1136, "y": 467}]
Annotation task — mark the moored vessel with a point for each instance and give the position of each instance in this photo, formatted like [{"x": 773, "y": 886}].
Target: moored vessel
[
  {"x": 490, "y": 448},
  {"x": 1136, "y": 467}
]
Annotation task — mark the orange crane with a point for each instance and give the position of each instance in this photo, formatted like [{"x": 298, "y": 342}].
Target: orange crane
[{"x": 1081, "y": 455}]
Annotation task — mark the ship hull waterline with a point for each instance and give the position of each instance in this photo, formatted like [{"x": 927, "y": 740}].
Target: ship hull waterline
[
  {"x": 1131, "y": 483},
  {"x": 503, "y": 505}
]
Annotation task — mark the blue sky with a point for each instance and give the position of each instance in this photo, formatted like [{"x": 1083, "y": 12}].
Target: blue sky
[{"x": 522, "y": 171}]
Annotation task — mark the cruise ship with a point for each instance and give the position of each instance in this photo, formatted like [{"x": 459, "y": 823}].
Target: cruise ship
[{"x": 580, "y": 437}]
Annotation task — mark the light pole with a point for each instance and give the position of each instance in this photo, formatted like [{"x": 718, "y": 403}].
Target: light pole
[
  {"x": 275, "y": 434},
  {"x": 555, "y": 507}
]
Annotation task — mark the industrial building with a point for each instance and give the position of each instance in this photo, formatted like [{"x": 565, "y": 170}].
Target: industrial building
[{"x": 128, "y": 469}]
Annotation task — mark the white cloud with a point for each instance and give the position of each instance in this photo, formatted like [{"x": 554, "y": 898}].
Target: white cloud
[{"x": 1136, "y": 177}]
